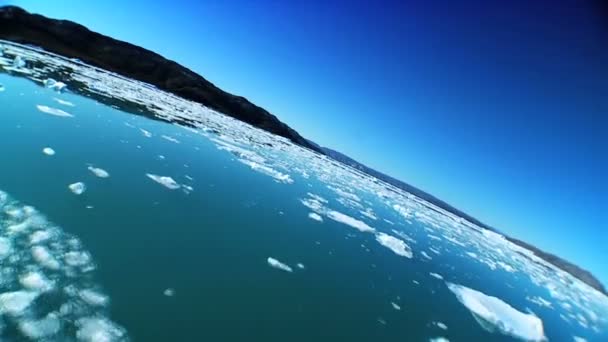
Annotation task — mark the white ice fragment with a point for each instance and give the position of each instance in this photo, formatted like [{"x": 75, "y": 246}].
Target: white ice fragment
[
  {"x": 436, "y": 275},
  {"x": 171, "y": 139},
  {"x": 40, "y": 329},
  {"x": 54, "y": 111},
  {"x": 35, "y": 281},
  {"x": 14, "y": 303},
  {"x": 347, "y": 220},
  {"x": 495, "y": 315},
  {"x": 145, "y": 133},
  {"x": 44, "y": 257},
  {"x": 101, "y": 173},
  {"x": 165, "y": 181},
  {"x": 98, "y": 329},
  {"x": 425, "y": 254},
  {"x": 48, "y": 151},
  {"x": 301, "y": 266},
  {"x": 76, "y": 258},
  {"x": 93, "y": 298},
  {"x": 77, "y": 188},
  {"x": 397, "y": 246},
  {"x": 169, "y": 292},
  {"x": 55, "y": 85},
  {"x": 441, "y": 325},
  {"x": 18, "y": 62},
  {"x": 578, "y": 339},
  {"x": 278, "y": 265},
  {"x": 395, "y": 306},
  {"x": 63, "y": 102},
  {"x": 315, "y": 216},
  {"x": 5, "y": 247},
  {"x": 439, "y": 339}
]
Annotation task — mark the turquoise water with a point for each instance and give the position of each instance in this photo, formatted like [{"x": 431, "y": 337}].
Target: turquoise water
[{"x": 189, "y": 260}]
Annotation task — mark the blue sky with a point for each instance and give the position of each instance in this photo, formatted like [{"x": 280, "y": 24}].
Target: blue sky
[{"x": 499, "y": 108}]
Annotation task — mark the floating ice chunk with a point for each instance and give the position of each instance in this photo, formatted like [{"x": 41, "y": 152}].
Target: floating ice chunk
[
  {"x": 93, "y": 297},
  {"x": 436, "y": 275},
  {"x": 165, "y": 181},
  {"x": 55, "y": 85},
  {"x": 63, "y": 102},
  {"x": 77, "y": 188},
  {"x": 579, "y": 339},
  {"x": 76, "y": 258},
  {"x": 472, "y": 255},
  {"x": 395, "y": 306},
  {"x": 14, "y": 303},
  {"x": 169, "y": 292},
  {"x": 98, "y": 329},
  {"x": 301, "y": 266},
  {"x": 48, "y": 151},
  {"x": 441, "y": 325},
  {"x": 347, "y": 220},
  {"x": 171, "y": 139},
  {"x": 35, "y": 281},
  {"x": 317, "y": 197},
  {"x": 439, "y": 339},
  {"x": 2, "y": 88},
  {"x": 495, "y": 315},
  {"x": 5, "y": 247},
  {"x": 145, "y": 133},
  {"x": 54, "y": 111},
  {"x": 397, "y": 246},
  {"x": 39, "y": 329},
  {"x": 101, "y": 173},
  {"x": 278, "y": 176},
  {"x": 18, "y": 62},
  {"x": 278, "y": 265},
  {"x": 44, "y": 257},
  {"x": 315, "y": 217},
  {"x": 540, "y": 301}
]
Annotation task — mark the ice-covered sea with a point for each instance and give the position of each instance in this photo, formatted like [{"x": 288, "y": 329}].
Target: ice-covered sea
[{"x": 127, "y": 213}]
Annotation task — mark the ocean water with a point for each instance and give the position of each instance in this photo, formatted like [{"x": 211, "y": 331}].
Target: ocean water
[{"x": 128, "y": 214}]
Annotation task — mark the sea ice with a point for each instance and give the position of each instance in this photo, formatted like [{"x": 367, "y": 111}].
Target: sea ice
[
  {"x": 315, "y": 217},
  {"x": 5, "y": 247},
  {"x": 101, "y": 173},
  {"x": 343, "y": 218},
  {"x": 48, "y": 151},
  {"x": 436, "y": 275},
  {"x": 63, "y": 102},
  {"x": 98, "y": 329},
  {"x": 439, "y": 339},
  {"x": 495, "y": 315},
  {"x": 54, "y": 111},
  {"x": 77, "y": 188},
  {"x": 165, "y": 181},
  {"x": 169, "y": 292},
  {"x": 278, "y": 265},
  {"x": 171, "y": 139},
  {"x": 44, "y": 257},
  {"x": 94, "y": 298},
  {"x": 395, "y": 306},
  {"x": 35, "y": 281},
  {"x": 14, "y": 303},
  {"x": 145, "y": 133},
  {"x": 397, "y": 246},
  {"x": 55, "y": 85},
  {"x": 40, "y": 329}
]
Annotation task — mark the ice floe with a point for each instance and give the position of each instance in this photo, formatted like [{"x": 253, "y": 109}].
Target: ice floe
[
  {"x": 145, "y": 133},
  {"x": 42, "y": 328},
  {"x": 315, "y": 216},
  {"x": 436, "y": 275},
  {"x": 397, "y": 246},
  {"x": 14, "y": 303},
  {"x": 272, "y": 262},
  {"x": 63, "y": 102},
  {"x": 101, "y": 173},
  {"x": 169, "y": 292},
  {"x": 55, "y": 85},
  {"x": 77, "y": 188},
  {"x": 349, "y": 221},
  {"x": 54, "y": 111},
  {"x": 48, "y": 151},
  {"x": 395, "y": 306},
  {"x": 493, "y": 314},
  {"x": 171, "y": 139},
  {"x": 165, "y": 181}
]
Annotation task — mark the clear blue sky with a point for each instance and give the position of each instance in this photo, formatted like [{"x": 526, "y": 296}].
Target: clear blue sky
[{"x": 499, "y": 108}]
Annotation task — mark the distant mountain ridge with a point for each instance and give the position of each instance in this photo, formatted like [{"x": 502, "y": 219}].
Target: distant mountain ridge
[{"x": 76, "y": 41}]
